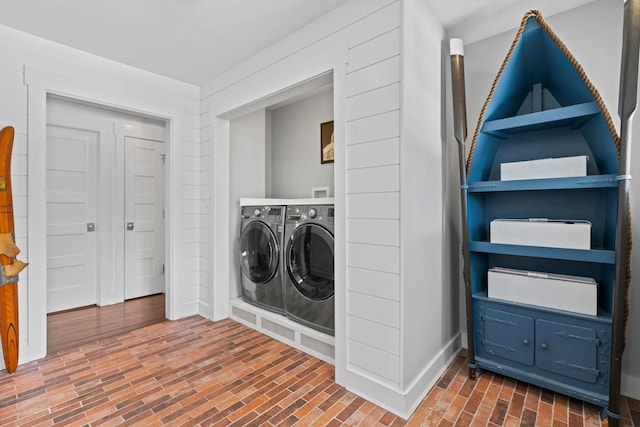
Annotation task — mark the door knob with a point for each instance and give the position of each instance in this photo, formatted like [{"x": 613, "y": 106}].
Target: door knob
[
  {"x": 129, "y": 226},
  {"x": 91, "y": 226}
]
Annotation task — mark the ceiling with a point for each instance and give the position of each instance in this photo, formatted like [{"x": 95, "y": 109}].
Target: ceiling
[{"x": 195, "y": 40}]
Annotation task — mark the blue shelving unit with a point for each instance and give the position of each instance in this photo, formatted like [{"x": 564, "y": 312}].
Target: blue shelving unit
[{"x": 542, "y": 108}]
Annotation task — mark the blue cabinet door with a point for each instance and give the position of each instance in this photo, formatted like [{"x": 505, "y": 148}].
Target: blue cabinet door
[
  {"x": 567, "y": 350},
  {"x": 509, "y": 336}
]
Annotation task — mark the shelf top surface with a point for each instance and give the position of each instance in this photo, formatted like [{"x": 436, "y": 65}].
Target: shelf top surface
[
  {"x": 601, "y": 317},
  {"x": 594, "y": 255},
  {"x": 572, "y": 114},
  {"x": 578, "y": 182}
]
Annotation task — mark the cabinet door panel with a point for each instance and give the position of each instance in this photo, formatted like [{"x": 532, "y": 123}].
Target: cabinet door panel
[
  {"x": 509, "y": 336},
  {"x": 567, "y": 350}
]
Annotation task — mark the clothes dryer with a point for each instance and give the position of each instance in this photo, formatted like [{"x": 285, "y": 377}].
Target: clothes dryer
[
  {"x": 309, "y": 266},
  {"x": 260, "y": 254}
]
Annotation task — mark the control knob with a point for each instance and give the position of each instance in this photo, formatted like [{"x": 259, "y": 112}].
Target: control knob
[
  {"x": 257, "y": 212},
  {"x": 313, "y": 213}
]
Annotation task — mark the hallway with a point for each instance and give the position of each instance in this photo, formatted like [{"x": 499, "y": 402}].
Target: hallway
[{"x": 74, "y": 328}]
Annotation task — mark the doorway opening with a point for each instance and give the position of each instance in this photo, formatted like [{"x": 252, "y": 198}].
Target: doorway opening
[{"x": 105, "y": 213}]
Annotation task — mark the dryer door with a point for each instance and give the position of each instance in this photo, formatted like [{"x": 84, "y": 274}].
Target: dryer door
[
  {"x": 259, "y": 252},
  {"x": 310, "y": 261}
]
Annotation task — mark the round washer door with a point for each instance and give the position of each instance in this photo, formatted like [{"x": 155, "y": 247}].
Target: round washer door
[
  {"x": 259, "y": 252},
  {"x": 310, "y": 261}
]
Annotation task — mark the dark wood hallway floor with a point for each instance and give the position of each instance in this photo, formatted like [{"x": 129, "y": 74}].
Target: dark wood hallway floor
[
  {"x": 73, "y": 328},
  {"x": 194, "y": 372}
]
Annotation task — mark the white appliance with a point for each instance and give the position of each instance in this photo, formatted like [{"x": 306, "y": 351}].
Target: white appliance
[
  {"x": 568, "y": 234},
  {"x": 562, "y": 167},
  {"x": 562, "y": 292}
]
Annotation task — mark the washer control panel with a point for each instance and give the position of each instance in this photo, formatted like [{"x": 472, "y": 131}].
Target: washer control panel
[{"x": 306, "y": 213}]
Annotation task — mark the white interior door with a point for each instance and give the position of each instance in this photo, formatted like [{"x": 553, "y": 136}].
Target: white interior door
[
  {"x": 71, "y": 207},
  {"x": 144, "y": 217}
]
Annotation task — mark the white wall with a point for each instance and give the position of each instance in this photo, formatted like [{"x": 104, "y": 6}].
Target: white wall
[
  {"x": 31, "y": 68},
  {"x": 598, "y": 51},
  {"x": 422, "y": 233},
  {"x": 247, "y": 160},
  {"x": 384, "y": 349},
  {"x": 295, "y": 147}
]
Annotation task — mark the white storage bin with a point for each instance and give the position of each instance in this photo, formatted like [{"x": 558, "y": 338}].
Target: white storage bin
[
  {"x": 568, "y": 234},
  {"x": 562, "y": 167},
  {"x": 570, "y": 293}
]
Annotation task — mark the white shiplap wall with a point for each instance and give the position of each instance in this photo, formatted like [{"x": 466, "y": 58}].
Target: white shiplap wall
[
  {"x": 30, "y": 68},
  {"x": 204, "y": 263},
  {"x": 363, "y": 43},
  {"x": 373, "y": 202}
]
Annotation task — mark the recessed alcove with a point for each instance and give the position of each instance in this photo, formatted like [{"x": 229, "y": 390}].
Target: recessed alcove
[{"x": 274, "y": 153}]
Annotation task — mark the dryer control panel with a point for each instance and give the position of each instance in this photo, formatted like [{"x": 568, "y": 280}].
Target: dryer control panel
[{"x": 270, "y": 213}]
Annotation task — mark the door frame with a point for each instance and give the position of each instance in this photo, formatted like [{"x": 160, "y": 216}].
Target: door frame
[{"x": 41, "y": 84}]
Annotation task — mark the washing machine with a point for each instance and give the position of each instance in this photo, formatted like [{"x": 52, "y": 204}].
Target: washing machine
[
  {"x": 260, "y": 254},
  {"x": 309, "y": 270}
]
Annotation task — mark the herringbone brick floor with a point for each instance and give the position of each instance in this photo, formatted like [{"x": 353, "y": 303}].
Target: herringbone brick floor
[{"x": 196, "y": 372}]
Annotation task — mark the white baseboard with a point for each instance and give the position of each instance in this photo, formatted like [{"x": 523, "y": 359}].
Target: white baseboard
[
  {"x": 463, "y": 339},
  {"x": 204, "y": 309},
  {"x": 403, "y": 402},
  {"x": 630, "y": 386}
]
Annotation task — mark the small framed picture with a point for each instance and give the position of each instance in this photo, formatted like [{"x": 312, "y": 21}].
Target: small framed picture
[{"x": 326, "y": 142}]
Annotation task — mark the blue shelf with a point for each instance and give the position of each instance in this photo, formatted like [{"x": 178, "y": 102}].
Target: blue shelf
[
  {"x": 602, "y": 316},
  {"x": 542, "y": 108},
  {"x": 573, "y": 115},
  {"x": 592, "y": 181},
  {"x": 593, "y": 255}
]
